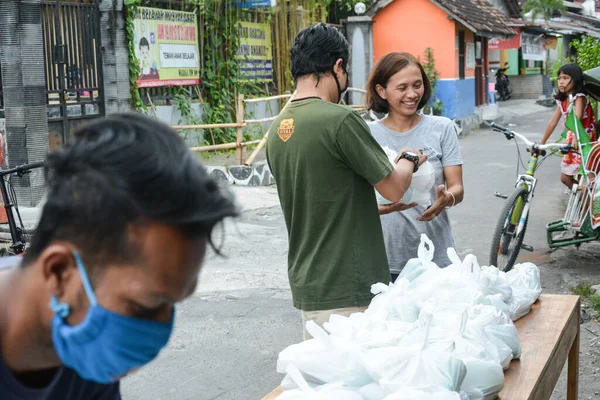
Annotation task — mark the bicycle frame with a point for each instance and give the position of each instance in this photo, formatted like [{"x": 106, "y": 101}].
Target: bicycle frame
[
  {"x": 15, "y": 233},
  {"x": 18, "y": 240},
  {"x": 520, "y": 212},
  {"x": 519, "y": 217}
]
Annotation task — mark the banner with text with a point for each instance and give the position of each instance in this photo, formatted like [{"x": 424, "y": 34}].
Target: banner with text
[
  {"x": 505, "y": 44},
  {"x": 256, "y": 52},
  {"x": 533, "y": 47},
  {"x": 166, "y": 44}
]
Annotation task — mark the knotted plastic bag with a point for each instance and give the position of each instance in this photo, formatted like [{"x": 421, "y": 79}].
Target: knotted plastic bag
[
  {"x": 525, "y": 282},
  {"x": 332, "y": 391},
  {"x": 411, "y": 365},
  {"x": 325, "y": 360}
]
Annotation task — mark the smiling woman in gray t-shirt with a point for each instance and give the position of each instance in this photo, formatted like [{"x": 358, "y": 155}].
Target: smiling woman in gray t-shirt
[{"x": 399, "y": 87}]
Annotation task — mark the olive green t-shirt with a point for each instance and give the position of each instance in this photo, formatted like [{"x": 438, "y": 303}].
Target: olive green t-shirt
[{"x": 325, "y": 163}]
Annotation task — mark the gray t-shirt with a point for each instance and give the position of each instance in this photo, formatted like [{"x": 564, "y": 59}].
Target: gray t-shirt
[{"x": 436, "y": 137}]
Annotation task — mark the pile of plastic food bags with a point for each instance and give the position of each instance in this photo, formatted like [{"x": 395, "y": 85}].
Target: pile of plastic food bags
[{"x": 435, "y": 334}]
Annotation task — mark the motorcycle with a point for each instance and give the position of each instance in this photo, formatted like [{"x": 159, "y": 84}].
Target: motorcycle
[{"x": 502, "y": 83}]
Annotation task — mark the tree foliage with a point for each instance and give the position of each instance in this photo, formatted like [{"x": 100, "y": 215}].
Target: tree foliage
[{"x": 543, "y": 8}]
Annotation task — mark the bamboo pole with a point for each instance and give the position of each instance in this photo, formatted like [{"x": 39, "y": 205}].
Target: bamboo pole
[
  {"x": 210, "y": 126},
  {"x": 224, "y": 146},
  {"x": 260, "y": 121},
  {"x": 200, "y": 99},
  {"x": 152, "y": 106},
  {"x": 240, "y": 129},
  {"x": 261, "y": 99},
  {"x": 263, "y": 141},
  {"x": 353, "y": 89}
]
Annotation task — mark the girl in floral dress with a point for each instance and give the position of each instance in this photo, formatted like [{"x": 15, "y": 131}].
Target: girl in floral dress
[{"x": 570, "y": 83}]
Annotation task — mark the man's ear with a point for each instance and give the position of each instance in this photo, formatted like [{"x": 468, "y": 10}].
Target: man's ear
[
  {"x": 58, "y": 266},
  {"x": 338, "y": 68}
]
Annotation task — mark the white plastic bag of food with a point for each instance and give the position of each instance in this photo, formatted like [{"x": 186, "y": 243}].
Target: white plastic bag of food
[
  {"x": 414, "y": 394},
  {"x": 367, "y": 332},
  {"x": 325, "y": 360},
  {"x": 525, "y": 282},
  {"x": 493, "y": 281},
  {"x": 332, "y": 391},
  {"x": 412, "y": 365},
  {"x": 372, "y": 391},
  {"x": 490, "y": 280},
  {"x": 393, "y": 302},
  {"x": 498, "y": 324},
  {"x": 416, "y": 267},
  {"x": 484, "y": 380},
  {"x": 421, "y": 184},
  {"x": 420, "y": 187},
  {"x": 495, "y": 349}
]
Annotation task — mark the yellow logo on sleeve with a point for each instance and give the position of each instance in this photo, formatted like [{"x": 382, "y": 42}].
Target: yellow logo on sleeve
[{"x": 286, "y": 129}]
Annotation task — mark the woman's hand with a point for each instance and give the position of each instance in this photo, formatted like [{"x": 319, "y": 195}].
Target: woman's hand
[
  {"x": 443, "y": 199},
  {"x": 398, "y": 206}
]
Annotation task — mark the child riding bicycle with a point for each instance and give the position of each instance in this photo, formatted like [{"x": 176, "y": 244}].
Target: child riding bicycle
[{"x": 571, "y": 93}]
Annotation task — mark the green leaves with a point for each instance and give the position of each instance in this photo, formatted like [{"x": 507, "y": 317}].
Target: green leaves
[
  {"x": 588, "y": 56},
  {"x": 134, "y": 63},
  {"x": 543, "y": 8},
  {"x": 435, "y": 105},
  {"x": 588, "y": 52}
]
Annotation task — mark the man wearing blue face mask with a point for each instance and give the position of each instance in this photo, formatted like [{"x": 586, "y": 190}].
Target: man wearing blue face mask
[{"x": 121, "y": 239}]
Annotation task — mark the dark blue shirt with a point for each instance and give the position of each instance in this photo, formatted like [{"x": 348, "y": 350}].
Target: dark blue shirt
[{"x": 66, "y": 384}]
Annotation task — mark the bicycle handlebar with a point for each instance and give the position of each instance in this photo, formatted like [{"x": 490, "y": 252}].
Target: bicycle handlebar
[
  {"x": 21, "y": 169},
  {"x": 510, "y": 134}
]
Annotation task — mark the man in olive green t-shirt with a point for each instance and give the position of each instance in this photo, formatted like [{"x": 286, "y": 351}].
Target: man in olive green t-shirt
[{"x": 325, "y": 163}]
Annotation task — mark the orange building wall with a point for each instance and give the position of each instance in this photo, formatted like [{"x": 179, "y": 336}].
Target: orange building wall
[{"x": 412, "y": 26}]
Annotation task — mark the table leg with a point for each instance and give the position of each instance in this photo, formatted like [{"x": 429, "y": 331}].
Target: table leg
[{"x": 573, "y": 370}]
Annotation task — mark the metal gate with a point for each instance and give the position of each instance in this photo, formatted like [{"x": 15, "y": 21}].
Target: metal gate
[{"x": 72, "y": 52}]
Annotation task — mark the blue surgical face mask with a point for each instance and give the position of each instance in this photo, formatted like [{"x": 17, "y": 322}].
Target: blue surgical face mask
[{"x": 105, "y": 346}]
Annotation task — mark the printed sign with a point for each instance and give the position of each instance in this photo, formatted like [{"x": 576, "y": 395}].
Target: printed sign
[
  {"x": 532, "y": 47},
  {"x": 471, "y": 55},
  {"x": 256, "y": 52},
  {"x": 166, "y": 44},
  {"x": 505, "y": 44},
  {"x": 551, "y": 42}
]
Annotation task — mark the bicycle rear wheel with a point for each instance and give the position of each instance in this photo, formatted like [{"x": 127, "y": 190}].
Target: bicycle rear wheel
[{"x": 506, "y": 244}]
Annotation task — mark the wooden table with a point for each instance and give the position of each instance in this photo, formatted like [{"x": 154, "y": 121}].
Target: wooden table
[{"x": 549, "y": 336}]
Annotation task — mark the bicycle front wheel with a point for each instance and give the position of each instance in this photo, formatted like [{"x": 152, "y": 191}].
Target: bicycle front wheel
[{"x": 506, "y": 243}]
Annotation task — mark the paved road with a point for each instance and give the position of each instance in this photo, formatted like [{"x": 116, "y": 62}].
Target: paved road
[{"x": 229, "y": 333}]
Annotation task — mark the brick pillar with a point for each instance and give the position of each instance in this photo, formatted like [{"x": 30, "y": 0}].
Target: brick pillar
[{"x": 115, "y": 58}]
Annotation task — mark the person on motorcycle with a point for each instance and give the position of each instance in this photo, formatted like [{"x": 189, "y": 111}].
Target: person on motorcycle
[{"x": 502, "y": 83}]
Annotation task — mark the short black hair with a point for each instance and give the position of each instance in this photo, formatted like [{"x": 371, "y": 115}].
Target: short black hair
[
  {"x": 144, "y": 42},
  {"x": 576, "y": 74},
  {"x": 316, "y": 50},
  {"x": 122, "y": 170}
]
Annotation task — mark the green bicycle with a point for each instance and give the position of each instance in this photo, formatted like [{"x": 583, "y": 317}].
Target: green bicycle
[{"x": 512, "y": 223}]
